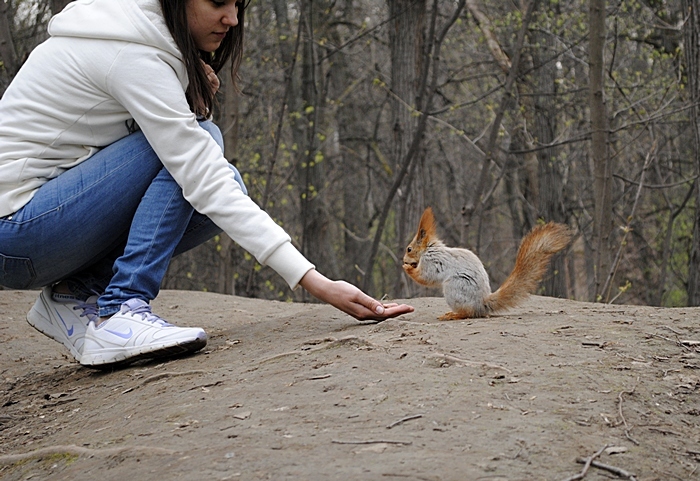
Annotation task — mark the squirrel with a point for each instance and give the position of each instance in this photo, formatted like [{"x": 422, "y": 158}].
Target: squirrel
[{"x": 464, "y": 280}]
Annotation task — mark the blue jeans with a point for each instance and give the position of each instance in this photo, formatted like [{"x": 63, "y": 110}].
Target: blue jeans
[{"x": 109, "y": 225}]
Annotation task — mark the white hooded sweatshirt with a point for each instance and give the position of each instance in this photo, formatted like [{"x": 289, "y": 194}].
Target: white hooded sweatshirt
[{"x": 106, "y": 64}]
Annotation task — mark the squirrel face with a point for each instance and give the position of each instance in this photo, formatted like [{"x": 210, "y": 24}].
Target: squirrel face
[{"x": 410, "y": 264}]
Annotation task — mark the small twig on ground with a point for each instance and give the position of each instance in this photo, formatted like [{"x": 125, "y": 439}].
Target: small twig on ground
[
  {"x": 676, "y": 341},
  {"x": 664, "y": 431},
  {"x": 280, "y": 355},
  {"x": 372, "y": 441},
  {"x": 162, "y": 375},
  {"x": 403, "y": 420},
  {"x": 612, "y": 469},
  {"x": 672, "y": 330},
  {"x": 448, "y": 357},
  {"x": 587, "y": 464},
  {"x": 622, "y": 416},
  {"x": 207, "y": 385}
]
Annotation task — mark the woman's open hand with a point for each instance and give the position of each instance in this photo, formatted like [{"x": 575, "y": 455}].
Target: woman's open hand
[{"x": 349, "y": 299}]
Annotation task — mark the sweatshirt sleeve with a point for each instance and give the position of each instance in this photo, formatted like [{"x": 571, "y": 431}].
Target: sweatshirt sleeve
[{"x": 145, "y": 82}]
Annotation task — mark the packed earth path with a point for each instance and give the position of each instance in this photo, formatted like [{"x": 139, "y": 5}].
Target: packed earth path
[{"x": 553, "y": 390}]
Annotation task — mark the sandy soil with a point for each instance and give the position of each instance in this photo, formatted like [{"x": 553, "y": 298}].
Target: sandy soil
[{"x": 303, "y": 392}]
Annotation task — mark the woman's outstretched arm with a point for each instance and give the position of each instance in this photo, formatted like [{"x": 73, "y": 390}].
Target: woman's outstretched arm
[{"x": 349, "y": 299}]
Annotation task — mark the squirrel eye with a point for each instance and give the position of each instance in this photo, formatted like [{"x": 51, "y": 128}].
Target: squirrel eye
[{"x": 408, "y": 249}]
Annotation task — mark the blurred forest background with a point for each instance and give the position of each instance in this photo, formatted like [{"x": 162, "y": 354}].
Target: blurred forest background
[{"x": 357, "y": 114}]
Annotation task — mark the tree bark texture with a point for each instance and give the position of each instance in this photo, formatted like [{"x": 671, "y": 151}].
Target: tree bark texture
[
  {"x": 311, "y": 166},
  {"x": 551, "y": 191},
  {"x": 8, "y": 53},
  {"x": 692, "y": 58},
  {"x": 58, "y": 5},
  {"x": 478, "y": 198},
  {"x": 602, "y": 168}
]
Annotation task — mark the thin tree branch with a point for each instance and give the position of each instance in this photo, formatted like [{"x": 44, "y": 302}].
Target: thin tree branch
[{"x": 476, "y": 200}]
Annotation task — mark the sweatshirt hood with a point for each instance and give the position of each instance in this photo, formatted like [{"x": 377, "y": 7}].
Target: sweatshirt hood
[{"x": 138, "y": 21}]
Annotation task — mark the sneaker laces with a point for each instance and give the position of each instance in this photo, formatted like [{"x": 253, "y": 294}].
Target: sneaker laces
[
  {"x": 139, "y": 307},
  {"x": 90, "y": 310}
]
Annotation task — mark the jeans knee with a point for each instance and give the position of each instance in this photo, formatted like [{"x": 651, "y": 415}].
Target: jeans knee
[
  {"x": 214, "y": 131},
  {"x": 216, "y": 134}
]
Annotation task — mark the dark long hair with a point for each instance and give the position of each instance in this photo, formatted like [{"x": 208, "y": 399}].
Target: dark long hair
[{"x": 199, "y": 93}]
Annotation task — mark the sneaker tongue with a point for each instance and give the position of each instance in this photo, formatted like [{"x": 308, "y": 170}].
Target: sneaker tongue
[
  {"x": 134, "y": 304},
  {"x": 142, "y": 308}
]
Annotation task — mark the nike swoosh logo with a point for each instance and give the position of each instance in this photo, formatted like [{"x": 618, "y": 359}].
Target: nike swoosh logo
[
  {"x": 68, "y": 330},
  {"x": 123, "y": 335}
]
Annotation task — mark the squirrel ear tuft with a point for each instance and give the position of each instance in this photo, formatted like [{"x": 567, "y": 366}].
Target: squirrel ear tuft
[{"x": 426, "y": 227}]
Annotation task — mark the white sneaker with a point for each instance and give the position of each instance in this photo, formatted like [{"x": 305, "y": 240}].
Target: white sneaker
[
  {"x": 63, "y": 318},
  {"x": 136, "y": 333}
]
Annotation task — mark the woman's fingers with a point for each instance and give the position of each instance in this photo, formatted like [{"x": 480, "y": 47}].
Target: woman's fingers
[{"x": 212, "y": 77}]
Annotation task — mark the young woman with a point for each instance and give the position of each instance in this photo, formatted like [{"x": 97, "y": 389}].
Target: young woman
[{"x": 108, "y": 168}]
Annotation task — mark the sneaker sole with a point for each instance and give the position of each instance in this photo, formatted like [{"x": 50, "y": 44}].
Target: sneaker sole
[{"x": 124, "y": 358}]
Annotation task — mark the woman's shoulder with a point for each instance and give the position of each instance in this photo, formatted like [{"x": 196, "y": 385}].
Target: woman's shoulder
[{"x": 147, "y": 62}]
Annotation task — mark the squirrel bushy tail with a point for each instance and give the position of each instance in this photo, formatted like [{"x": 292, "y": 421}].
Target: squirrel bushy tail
[{"x": 534, "y": 253}]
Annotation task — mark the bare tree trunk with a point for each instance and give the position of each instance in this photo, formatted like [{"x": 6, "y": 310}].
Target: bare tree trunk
[
  {"x": 599, "y": 147},
  {"x": 550, "y": 204},
  {"x": 406, "y": 42},
  {"x": 228, "y": 121},
  {"x": 58, "y": 5},
  {"x": 426, "y": 91},
  {"x": 311, "y": 172},
  {"x": 291, "y": 101},
  {"x": 226, "y": 283},
  {"x": 8, "y": 53},
  {"x": 477, "y": 199},
  {"x": 406, "y": 39},
  {"x": 692, "y": 58},
  {"x": 350, "y": 128}
]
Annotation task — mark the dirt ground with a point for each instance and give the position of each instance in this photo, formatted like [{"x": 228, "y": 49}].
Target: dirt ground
[{"x": 303, "y": 392}]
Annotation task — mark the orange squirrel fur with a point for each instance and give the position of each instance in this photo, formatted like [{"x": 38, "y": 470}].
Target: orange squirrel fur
[{"x": 464, "y": 280}]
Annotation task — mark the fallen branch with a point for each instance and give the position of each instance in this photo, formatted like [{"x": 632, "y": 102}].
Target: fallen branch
[
  {"x": 676, "y": 341},
  {"x": 612, "y": 469},
  {"x": 448, "y": 357},
  {"x": 280, "y": 355},
  {"x": 372, "y": 441},
  {"x": 624, "y": 421},
  {"x": 587, "y": 464},
  {"x": 672, "y": 330},
  {"x": 403, "y": 420},
  {"x": 664, "y": 431},
  {"x": 163, "y": 375},
  {"x": 82, "y": 451}
]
